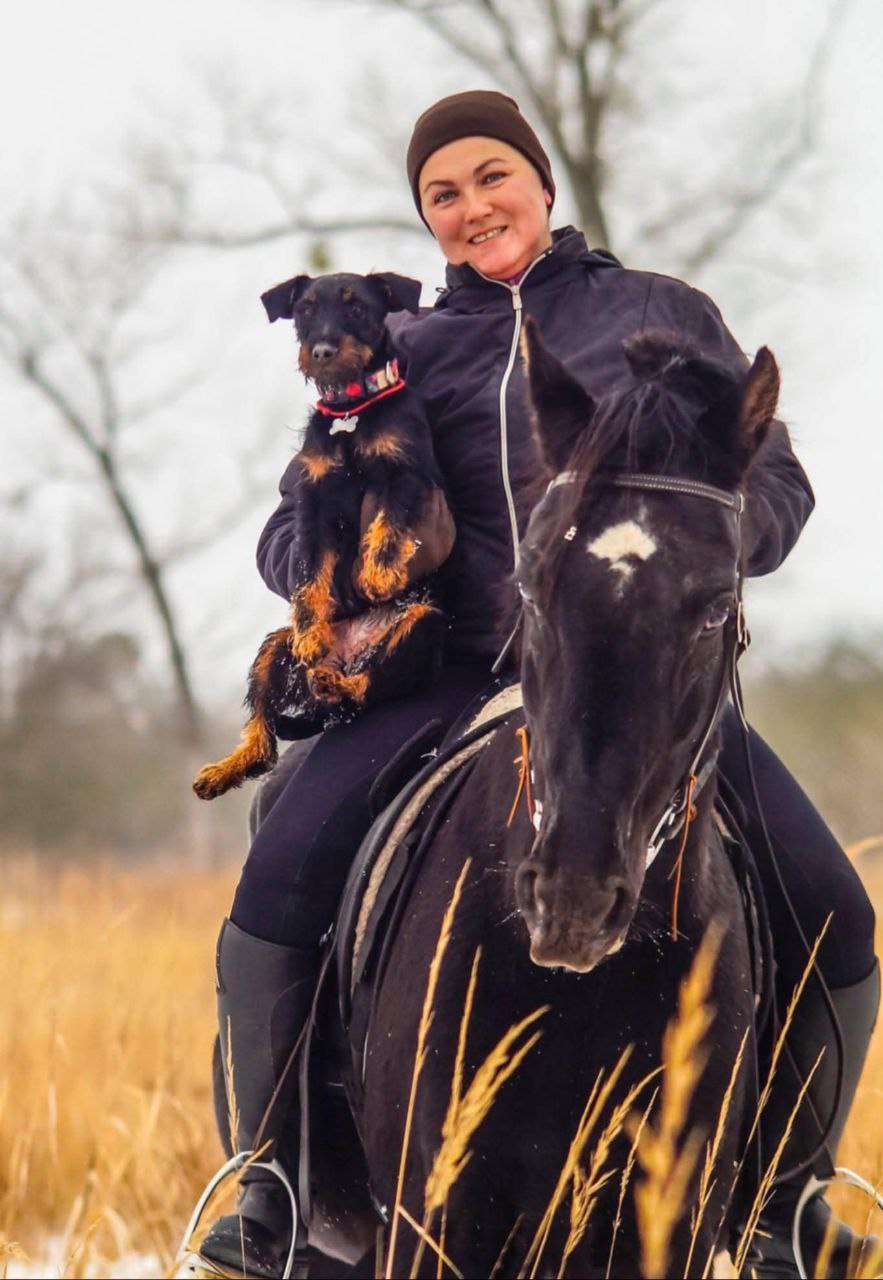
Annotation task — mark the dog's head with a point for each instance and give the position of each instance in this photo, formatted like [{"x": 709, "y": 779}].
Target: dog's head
[{"x": 340, "y": 320}]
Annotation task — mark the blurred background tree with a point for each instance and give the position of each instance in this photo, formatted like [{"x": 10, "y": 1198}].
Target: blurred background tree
[{"x": 151, "y": 403}]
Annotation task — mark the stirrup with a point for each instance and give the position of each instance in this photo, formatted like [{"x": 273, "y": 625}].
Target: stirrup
[
  {"x": 813, "y": 1188},
  {"x": 233, "y": 1165}
]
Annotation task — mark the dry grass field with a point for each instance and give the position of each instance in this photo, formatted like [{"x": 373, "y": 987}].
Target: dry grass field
[{"x": 106, "y": 1021}]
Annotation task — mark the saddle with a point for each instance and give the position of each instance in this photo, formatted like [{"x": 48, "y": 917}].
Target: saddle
[{"x": 375, "y": 897}]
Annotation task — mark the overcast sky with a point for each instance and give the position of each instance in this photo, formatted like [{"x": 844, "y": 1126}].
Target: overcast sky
[{"x": 75, "y": 77}]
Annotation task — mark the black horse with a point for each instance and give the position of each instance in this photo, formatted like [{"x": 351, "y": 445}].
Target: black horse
[{"x": 630, "y": 578}]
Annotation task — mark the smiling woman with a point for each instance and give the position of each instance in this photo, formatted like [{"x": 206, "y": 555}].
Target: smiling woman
[
  {"x": 485, "y": 204},
  {"x": 485, "y": 196}
]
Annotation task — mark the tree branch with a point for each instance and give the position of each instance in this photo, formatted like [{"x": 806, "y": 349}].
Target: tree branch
[{"x": 742, "y": 205}]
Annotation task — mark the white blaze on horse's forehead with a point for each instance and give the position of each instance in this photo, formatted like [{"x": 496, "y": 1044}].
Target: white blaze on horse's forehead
[{"x": 621, "y": 543}]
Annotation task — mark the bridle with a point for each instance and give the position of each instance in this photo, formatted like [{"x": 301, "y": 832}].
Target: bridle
[{"x": 679, "y": 812}]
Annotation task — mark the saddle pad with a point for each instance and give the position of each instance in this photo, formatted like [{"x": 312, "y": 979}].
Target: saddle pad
[{"x": 507, "y": 700}]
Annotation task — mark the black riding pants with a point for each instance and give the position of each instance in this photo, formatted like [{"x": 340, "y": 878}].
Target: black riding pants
[
  {"x": 295, "y": 871},
  {"x": 301, "y": 852}
]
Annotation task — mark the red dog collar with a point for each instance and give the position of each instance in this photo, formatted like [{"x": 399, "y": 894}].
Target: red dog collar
[{"x": 353, "y": 410}]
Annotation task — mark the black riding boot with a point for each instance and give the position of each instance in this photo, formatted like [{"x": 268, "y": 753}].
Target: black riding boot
[
  {"x": 771, "y": 1256},
  {"x": 265, "y": 993}
]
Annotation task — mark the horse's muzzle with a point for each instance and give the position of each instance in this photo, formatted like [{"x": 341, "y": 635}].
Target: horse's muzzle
[{"x": 572, "y": 927}]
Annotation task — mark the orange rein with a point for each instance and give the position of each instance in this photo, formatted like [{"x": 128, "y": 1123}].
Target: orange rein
[
  {"x": 523, "y": 776},
  {"x": 689, "y": 815},
  {"x": 523, "y": 787}
]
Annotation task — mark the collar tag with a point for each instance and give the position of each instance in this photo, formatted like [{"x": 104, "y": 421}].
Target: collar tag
[{"x": 343, "y": 424}]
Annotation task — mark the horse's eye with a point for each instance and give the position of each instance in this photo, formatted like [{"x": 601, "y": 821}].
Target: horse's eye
[{"x": 716, "y": 617}]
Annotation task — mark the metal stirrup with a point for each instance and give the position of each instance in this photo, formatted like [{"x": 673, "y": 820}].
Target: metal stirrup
[
  {"x": 815, "y": 1186},
  {"x": 233, "y": 1165}
]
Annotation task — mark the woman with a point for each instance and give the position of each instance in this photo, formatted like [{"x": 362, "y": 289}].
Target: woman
[{"x": 483, "y": 185}]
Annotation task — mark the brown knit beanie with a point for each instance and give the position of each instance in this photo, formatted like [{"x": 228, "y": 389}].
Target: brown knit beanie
[{"x": 478, "y": 113}]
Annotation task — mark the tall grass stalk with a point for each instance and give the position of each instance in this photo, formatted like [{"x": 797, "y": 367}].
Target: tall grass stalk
[
  {"x": 426, "y": 1239},
  {"x": 762, "y": 1195},
  {"x": 707, "y": 1181},
  {"x": 467, "y": 1111},
  {"x": 779, "y": 1046},
  {"x": 666, "y": 1153},
  {"x": 775, "y": 1058},
  {"x": 426, "y": 1017},
  {"x": 597, "y": 1099},
  {"x": 106, "y": 1127},
  {"x": 587, "y": 1185},
  {"x": 627, "y": 1175}
]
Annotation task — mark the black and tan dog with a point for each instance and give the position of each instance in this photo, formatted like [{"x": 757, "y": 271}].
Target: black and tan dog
[{"x": 366, "y": 496}]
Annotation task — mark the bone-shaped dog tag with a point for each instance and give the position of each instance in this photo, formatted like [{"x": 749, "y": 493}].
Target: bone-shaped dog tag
[{"x": 343, "y": 424}]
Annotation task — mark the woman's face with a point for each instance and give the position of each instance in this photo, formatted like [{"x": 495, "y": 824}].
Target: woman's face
[{"x": 485, "y": 204}]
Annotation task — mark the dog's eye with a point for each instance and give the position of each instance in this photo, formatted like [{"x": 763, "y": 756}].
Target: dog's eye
[{"x": 355, "y": 309}]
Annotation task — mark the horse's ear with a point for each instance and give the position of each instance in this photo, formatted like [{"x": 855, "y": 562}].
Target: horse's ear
[
  {"x": 760, "y": 396},
  {"x": 562, "y": 409},
  {"x": 280, "y": 300},
  {"x": 741, "y": 418}
]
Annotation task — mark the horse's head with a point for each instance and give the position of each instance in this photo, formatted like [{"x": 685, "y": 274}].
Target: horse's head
[{"x": 629, "y": 600}]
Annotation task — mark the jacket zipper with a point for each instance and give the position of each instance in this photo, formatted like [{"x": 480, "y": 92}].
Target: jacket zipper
[{"x": 515, "y": 291}]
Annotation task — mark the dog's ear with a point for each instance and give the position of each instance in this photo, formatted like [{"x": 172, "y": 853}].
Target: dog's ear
[
  {"x": 279, "y": 301},
  {"x": 401, "y": 292}
]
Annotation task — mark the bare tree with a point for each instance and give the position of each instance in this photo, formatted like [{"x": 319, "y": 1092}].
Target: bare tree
[
  {"x": 248, "y": 136},
  {"x": 589, "y": 73},
  {"x": 580, "y": 69},
  {"x": 73, "y": 303}
]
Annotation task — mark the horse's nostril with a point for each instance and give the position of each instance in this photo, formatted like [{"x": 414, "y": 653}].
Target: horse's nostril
[
  {"x": 526, "y": 888},
  {"x": 618, "y": 909}
]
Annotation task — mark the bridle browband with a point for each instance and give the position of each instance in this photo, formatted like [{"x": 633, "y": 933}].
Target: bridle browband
[
  {"x": 679, "y": 811},
  {"x": 734, "y": 499}
]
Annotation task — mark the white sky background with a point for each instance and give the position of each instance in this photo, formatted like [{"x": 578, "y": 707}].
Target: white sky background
[{"x": 74, "y": 78}]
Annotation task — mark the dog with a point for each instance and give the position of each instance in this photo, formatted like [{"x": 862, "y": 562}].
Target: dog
[{"x": 372, "y": 524}]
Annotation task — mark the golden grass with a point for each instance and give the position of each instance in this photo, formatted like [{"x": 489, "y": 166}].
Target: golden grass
[
  {"x": 467, "y": 1111},
  {"x": 667, "y": 1151},
  {"x": 106, "y": 1125},
  {"x": 107, "y": 1018},
  {"x": 426, "y": 1017}
]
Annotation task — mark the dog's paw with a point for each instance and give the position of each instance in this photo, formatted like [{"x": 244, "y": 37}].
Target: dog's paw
[
  {"x": 330, "y": 685},
  {"x": 386, "y": 551},
  {"x": 215, "y": 779},
  {"x": 310, "y": 645},
  {"x": 378, "y": 582}
]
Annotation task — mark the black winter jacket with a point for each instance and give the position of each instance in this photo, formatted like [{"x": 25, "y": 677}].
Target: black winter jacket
[{"x": 463, "y": 357}]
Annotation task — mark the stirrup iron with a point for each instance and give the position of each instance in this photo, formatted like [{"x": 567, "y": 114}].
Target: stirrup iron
[{"x": 233, "y": 1165}]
